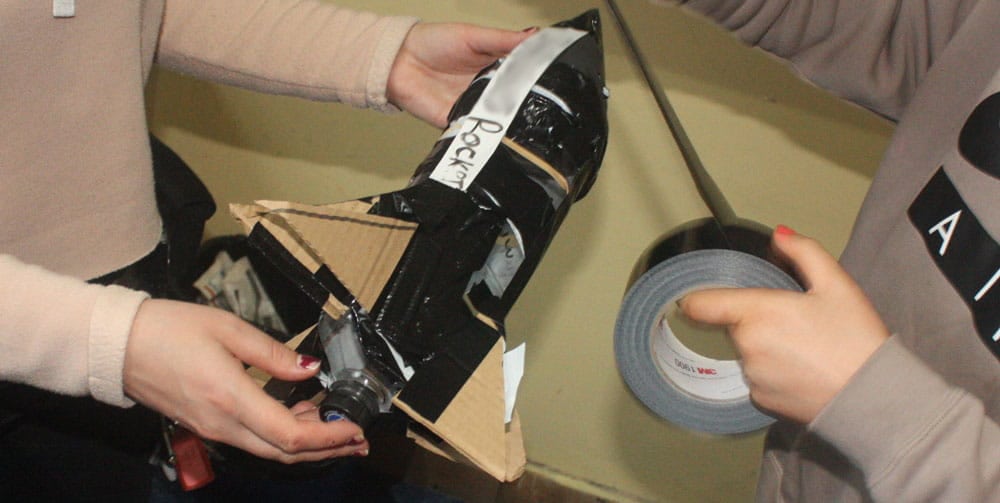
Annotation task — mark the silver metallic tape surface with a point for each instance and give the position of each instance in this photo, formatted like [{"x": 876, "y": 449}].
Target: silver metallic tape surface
[{"x": 676, "y": 383}]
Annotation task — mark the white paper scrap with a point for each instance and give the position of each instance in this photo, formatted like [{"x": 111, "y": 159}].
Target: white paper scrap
[
  {"x": 513, "y": 369},
  {"x": 63, "y": 8}
]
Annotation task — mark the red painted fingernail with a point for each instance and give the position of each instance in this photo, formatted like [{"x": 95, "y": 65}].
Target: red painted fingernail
[
  {"x": 309, "y": 362},
  {"x": 784, "y": 231},
  {"x": 530, "y": 30}
]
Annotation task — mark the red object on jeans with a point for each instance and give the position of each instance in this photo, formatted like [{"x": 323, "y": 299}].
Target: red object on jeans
[{"x": 194, "y": 468}]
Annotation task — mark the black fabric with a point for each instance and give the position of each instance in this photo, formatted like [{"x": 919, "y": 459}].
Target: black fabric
[
  {"x": 58, "y": 448},
  {"x": 184, "y": 204},
  {"x": 978, "y": 141}
]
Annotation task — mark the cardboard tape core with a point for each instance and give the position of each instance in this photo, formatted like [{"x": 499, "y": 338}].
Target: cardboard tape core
[{"x": 693, "y": 372}]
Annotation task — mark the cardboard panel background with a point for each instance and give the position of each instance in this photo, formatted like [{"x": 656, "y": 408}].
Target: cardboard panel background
[{"x": 782, "y": 152}]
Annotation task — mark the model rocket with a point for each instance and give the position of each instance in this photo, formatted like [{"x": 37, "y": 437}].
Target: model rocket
[{"x": 414, "y": 285}]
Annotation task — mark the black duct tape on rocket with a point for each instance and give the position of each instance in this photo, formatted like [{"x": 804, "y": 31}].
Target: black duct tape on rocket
[{"x": 423, "y": 277}]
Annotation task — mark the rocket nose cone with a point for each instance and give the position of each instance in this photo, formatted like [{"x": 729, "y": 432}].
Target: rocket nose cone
[{"x": 589, "y": 21}]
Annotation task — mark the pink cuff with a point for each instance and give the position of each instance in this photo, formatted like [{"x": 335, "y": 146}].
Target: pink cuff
[{"x": 110, "y": 326}]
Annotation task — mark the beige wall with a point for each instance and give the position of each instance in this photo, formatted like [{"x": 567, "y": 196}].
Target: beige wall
[{"x": 782, "y": 151}]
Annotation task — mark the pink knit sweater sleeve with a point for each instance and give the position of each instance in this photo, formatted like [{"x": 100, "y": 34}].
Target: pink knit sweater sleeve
[
  {"x": 48, "y": 323},
  {"x": 304, "y": 48},
  {"x": 62, "y": 334}
]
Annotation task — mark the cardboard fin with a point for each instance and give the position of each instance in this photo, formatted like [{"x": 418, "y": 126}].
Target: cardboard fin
[
  {"x": 473, "y": 421},
  {"x": 361, "y": 250},
  {"x": 517, "y": 458}
]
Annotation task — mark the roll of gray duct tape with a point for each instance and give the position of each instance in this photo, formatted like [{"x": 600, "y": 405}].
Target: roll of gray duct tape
[{"x": 676, "y": 383}]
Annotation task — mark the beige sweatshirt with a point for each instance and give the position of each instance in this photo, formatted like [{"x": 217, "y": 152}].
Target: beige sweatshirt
[
  {"x": 76, "y": 193},
  {"x": 919, "y": 421}
]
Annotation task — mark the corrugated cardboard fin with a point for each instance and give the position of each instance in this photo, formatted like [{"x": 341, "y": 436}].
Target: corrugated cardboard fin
[
  {"x": 516, "y": 456},
  {"x": 361, "y": 250},
  {"x": 247, "y": 214},
  {"x": 356, "y": 205},
  {"x": 443, "y": 450},
  {"x": 473, "y": 421},
  {"x": 516, "y": 459},
  {"x": 289, "y": 238}
]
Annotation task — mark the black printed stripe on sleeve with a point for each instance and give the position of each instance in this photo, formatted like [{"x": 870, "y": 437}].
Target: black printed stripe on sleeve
[{"x": 964, "y": 252}]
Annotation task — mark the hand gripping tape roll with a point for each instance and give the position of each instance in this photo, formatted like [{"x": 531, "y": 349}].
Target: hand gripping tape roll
[
  {"x": 681, "y": 385},
  {"x": 678, "y": 384}
]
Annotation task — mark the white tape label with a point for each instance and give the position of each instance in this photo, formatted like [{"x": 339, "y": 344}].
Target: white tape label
[{"x": 486, "y": 124}]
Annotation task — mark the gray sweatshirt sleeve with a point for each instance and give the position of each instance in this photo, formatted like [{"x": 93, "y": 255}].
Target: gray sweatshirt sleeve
[
  {"x": 915, "y": 437},
  {"x": 872, "y": 53}
]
